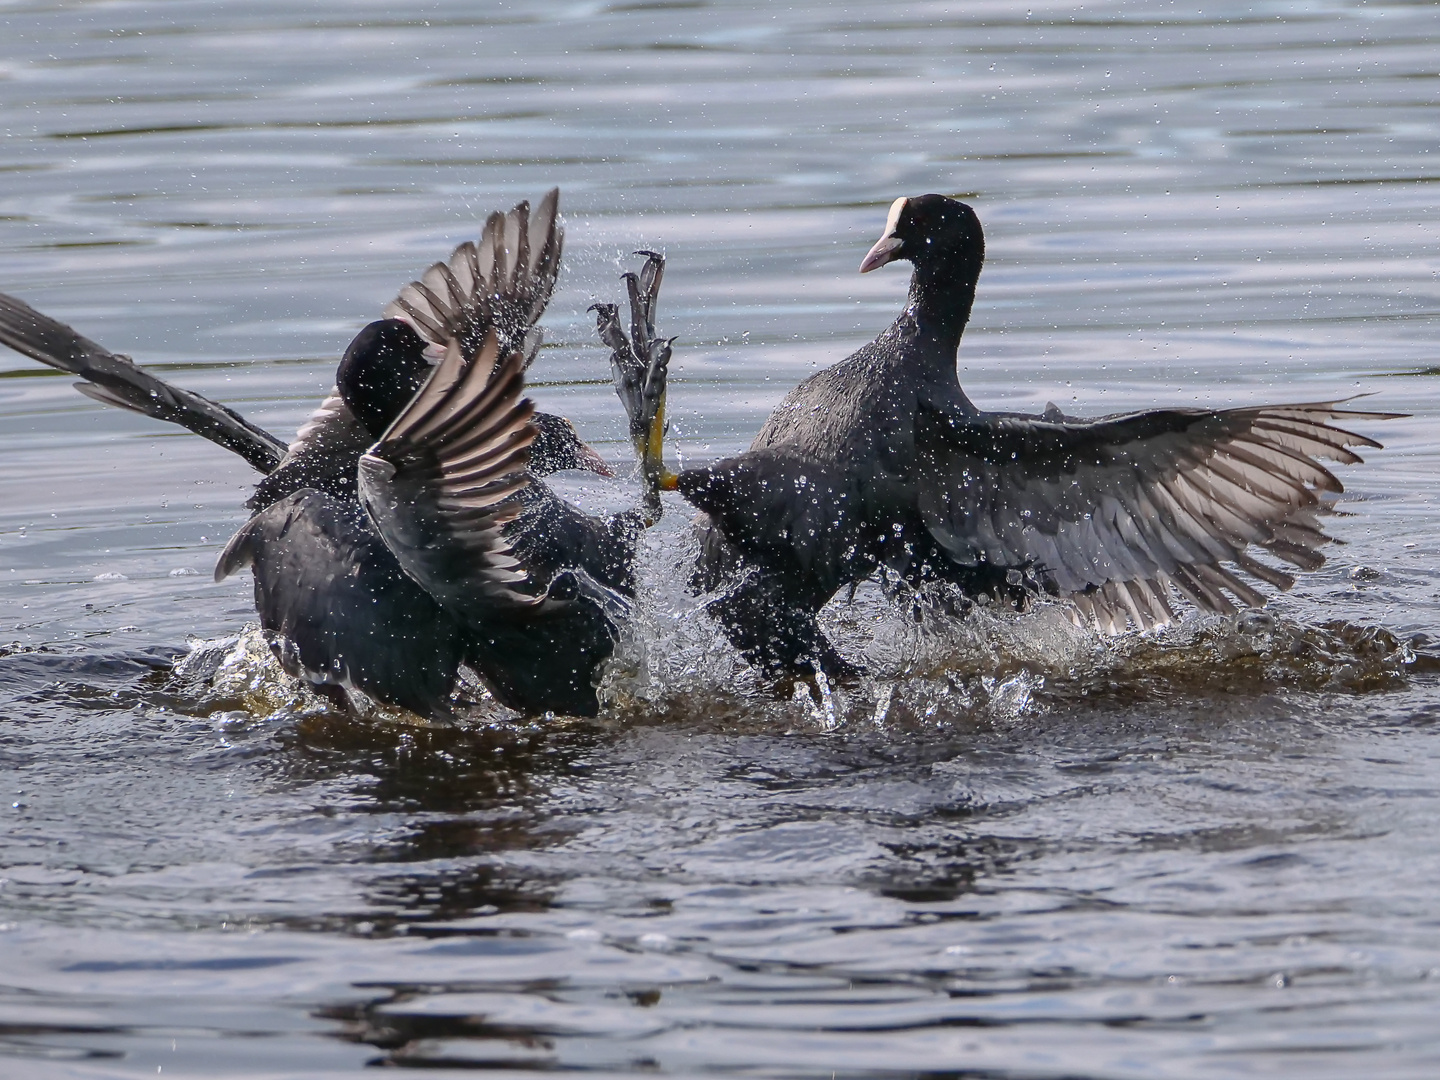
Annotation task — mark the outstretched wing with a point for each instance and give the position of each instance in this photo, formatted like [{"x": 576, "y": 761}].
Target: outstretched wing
[
  {"x": 322, "y": 456},
  {"x": 440, "y": 482},
  {"x": 118, "y": 380},
  {"x": 1113, "y": 512},
  {"x": 503, "y": 281}
]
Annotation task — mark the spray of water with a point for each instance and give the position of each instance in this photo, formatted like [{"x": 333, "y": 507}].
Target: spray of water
[{"x": 932, "y": 661}]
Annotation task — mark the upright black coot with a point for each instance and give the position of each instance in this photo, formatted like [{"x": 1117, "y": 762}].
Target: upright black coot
[
  {"x": 405, "y": 531},
  {"x": 881, "y": 461}
]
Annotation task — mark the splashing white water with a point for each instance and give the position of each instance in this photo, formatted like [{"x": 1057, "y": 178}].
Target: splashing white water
[{"x": 931, "y": 661}]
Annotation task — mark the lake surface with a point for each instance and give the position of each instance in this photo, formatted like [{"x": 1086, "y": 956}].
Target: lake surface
[{"x": 1016, "y": 851}]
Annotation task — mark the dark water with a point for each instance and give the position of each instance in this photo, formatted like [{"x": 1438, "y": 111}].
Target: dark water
[{"x": 1015, "y": 852}]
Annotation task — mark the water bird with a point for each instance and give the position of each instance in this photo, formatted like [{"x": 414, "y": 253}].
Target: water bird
[
  {"x": 406, "y": 530},
  {"x": 882, "y": 464}
]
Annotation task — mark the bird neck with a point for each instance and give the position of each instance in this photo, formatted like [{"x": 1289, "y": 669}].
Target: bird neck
[{"x": 938, "y": 309}]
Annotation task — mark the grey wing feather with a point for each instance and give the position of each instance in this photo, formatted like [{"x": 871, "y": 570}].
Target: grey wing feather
[
  {"x": 440, "y": 484},
  {"x": 323, "y": 455},
  {"x": 118, "y": 380},
  {"x": 1114, "y": 513},
  {"x": 502, "y": 281}
]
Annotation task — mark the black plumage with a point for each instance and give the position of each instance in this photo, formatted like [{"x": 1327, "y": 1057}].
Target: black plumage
[
  {"x": 881, "y": 461},
  {"x": 406, "y": 530}
]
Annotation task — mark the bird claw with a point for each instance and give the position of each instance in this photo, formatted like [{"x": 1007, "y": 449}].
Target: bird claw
[{"x": 639, "y": 366}]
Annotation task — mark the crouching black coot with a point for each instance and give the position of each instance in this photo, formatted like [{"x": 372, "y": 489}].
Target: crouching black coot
[{"x": 406, "y": 530}]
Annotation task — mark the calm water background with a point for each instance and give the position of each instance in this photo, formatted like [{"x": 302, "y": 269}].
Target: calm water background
[{"x": 1012, "y": 853}]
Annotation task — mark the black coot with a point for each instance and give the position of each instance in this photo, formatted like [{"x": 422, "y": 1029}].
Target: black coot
[
  {"x": 405, "y": 530},
  {"x": 881, "y": 463}
]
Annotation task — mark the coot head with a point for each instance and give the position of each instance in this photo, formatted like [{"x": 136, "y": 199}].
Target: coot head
[
  {"x": 383, "y": 368},
  {"x": 934, "y": 233},
  {"x": 558, "y": 446}
]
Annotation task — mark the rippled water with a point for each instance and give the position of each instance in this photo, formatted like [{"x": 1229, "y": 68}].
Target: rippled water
[{"x": 1017, "y": 851}]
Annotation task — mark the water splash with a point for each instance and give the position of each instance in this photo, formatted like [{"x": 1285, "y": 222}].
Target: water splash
[
  {"x": 933, "y": 662},
  {"x": 242, "y": 671}
]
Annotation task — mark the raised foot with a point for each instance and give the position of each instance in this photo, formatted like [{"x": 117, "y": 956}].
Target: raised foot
[{"x": 639, "y": 364}]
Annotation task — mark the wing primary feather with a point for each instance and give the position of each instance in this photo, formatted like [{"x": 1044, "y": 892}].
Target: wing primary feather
[
  {"x": 1280, "y": 463},
  {"x": 522, "y": 240},
  {"x": 1306, "y": 558},
  {"x": 1115, "y": 513},
  {"x": 130, "y": 386},
  {"x": 503, "y": 280},
  {"x": 428, "y": 327},
  {"x": 1219, "y": 577},
  {"x": 1268, "y": 574},
  {"x": 443, "y": 480}
]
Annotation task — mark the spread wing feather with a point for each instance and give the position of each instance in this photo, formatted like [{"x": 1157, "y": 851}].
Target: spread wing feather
[
  {"x": 321, "y": 456},
  {"x": 1115, "y": 513},
  {"x": 118, "y": 380},
  {"x": 440, "y": 484},
  {"x": 504, "y": 280}
]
